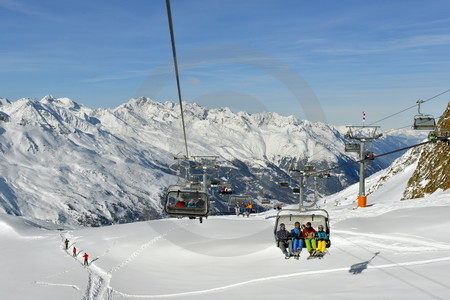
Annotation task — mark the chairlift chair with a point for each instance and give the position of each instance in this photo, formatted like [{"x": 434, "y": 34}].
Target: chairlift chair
[
  {"x": 424, "y": 122},
  {"x": 214, "y": 183},
  {"x": 239, "y": 199},
  {"x": 283, "y": 184},
  {"x": 309, "y": 168},
  {"x": 369, "y": 155},
  {"x": 316, "y": 216},
  {"x": 225, "y": 189},
  {"x": 296, "y": 191},
  {"x": 265, "y": 201},
  {"x": 324, "y": 175},
  {"x": 352, "y": 147},
  {"x": 196, "y": 202}
]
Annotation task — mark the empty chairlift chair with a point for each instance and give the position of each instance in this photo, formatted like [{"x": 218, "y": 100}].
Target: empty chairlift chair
[
  {"x": 352, "y": 147},
  {"x": 283, "y": 185},
  {"x": 422, "y": 121}
]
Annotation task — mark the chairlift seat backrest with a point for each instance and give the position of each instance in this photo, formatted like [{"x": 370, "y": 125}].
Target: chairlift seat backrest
[{"x": 289, "y": 221}]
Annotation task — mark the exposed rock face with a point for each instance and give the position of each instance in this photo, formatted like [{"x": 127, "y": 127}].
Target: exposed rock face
[{"x": 433, "y": 168}]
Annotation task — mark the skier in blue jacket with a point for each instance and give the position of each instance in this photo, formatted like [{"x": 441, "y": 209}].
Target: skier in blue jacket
[{"x": 297, "y": 241}]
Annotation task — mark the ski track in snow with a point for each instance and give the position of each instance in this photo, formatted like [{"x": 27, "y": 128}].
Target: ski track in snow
[
  {"x": 230, "y": 286},
  {"x": 99, "y": 279},
  {"x": 98, "y": 283},
  {"x": 57, "y": 284},
  {"x": 139, "y": 251}
]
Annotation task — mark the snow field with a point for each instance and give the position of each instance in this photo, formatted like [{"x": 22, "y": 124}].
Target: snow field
[{"x": 228, "y": 257}]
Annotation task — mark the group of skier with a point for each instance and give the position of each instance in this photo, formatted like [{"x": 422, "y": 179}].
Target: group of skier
[
  {"x": 192, "y": 203},
  {"x": 292, "y": 242},
  {"x": 244, "y": 210},
  {"x": 75, "y": 253}
]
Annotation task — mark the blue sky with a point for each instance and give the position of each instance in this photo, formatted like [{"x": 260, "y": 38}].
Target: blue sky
[{"x": 292, "y": 56}]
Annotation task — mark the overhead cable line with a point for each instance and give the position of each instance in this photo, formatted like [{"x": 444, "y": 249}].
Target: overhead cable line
[
  {"x": 403, "y": 110},
  {"x": 375, "y": 156},
  {"x": 174, "y": 53}
]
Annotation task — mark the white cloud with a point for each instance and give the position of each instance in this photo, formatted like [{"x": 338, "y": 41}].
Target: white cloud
[{"x": 394, "y": 45}]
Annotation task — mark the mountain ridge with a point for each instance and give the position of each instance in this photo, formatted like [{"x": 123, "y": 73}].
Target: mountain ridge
[{"x": 66, "y": 163}]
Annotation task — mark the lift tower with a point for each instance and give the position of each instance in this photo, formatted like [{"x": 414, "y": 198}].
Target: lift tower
[{"x": 362, "y": 134}]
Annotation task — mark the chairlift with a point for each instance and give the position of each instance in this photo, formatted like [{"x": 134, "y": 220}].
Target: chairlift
[
  {"x": 352, "y": 147},
  {"x": 324, "y": 175},
  {"x": 438, "y": 136},
  {"x": 241, "y": 201},
  {"x": 185, "y": 202},
  {"x": 225, "y": 189},
  {"x": 368, "y": 155},
  {"x": 214, "y": 183},
  {"x": 283, "y": 185},
  {"x": 296, "y": 191},
  {"x": 309, "y": 168},
  {"x": 316, "y": 216},
  {"x": 422, "y": 121},
  {"x": 265, "y": 201}
]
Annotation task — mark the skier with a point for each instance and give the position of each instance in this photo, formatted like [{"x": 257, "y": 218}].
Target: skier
[
  {"x": 67, "y": 243},
  {"x": 237, "y": 210},
  {"x": 297, "y": 242},
  {"x": 309, "y": 236},
  {"x": 200, "y": 203},
  {"x": 322, "y": 237},
  {"x": 180, "y": 203},
  {"x": 86, "y": 256},
  {"x": 284, "y": 241},
  {"x": 74, "y": 251},
  {"x": 249, "y": 209}
]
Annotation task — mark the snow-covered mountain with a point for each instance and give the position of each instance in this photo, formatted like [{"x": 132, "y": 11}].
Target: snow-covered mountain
[{"x": 66, "y": 163}]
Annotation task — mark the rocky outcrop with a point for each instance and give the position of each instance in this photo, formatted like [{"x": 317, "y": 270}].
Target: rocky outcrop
[{"x": 433, "y": 168}]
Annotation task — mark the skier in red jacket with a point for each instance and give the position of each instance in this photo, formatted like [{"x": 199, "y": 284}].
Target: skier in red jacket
[
  {"x": 86, "y": 256},
  {"x": 74, "y": 251},
  {"x": 309, "y": 235}
]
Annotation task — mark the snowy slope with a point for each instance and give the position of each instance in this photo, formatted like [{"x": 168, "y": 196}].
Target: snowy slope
[
  {"x": 68, "y": 164},
  {"x": 392, "y": 249}
]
